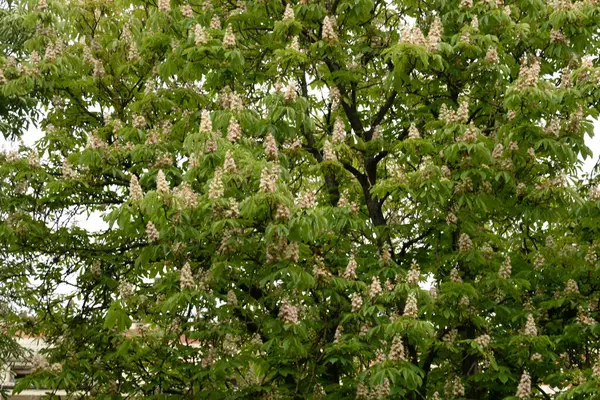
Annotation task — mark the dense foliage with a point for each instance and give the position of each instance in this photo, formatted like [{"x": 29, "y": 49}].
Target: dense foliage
[{"x": 315, "y": 199}]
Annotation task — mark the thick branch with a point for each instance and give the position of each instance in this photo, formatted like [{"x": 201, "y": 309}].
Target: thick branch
[{"x": 380, "y": 115}]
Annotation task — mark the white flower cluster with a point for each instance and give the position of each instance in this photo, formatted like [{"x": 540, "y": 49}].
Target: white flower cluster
[
  {"x": 162, "y": 186},
  {"x": 451, "y": 219},
  {"x": 151, "y": 232},
  {"x": 328, "y": 153},
  {"x": 505, "y": 269},
  {"x": 596, "y": 370},
  {"x": 375, "y": 288},
  {"x": 356, "y": 301},
  {"x": 350, "y": 272},
  {"x": 413, "y": 132},
  {"x": 271, "y": 147},
  {"x": 529, "y": 73},
  {"x": 200, "y": 35},
  {"x": 415, "y": 37},
  {"x": 205, "y": 122},
  {"x": 229, "y": 164},
  {"x": 397, "y": 352},
  {"x": 164, "y": 5},
  {"x": 290, "y": 93},
  {"x": 215, "y": 22},
  {"x": 138, "y": 121},
  {"x": 454, "y": 276},
  {"x": 594, "y": 193},
  {"x": 67, "y": 171},
  {"x": 307, "y": 200},
  {"x": 135, "y": 190},
  {"x": 558, "y": 37},
  {"x": 450, "y": 336},
  {"x": 414, "y": 275},
  {"x": 334, "y": 97},
  {"x": 454, "y": 387},
  {"x": 461, "y": 115},
  {"x": 186, "y": 279},
  {"x": 492, "y": 55},
  {"x": 288, "y": 14},
  {"x": 125, "y": 290},
  {"x": 282, "y": 212},
  {"x": 524, "y": 388},
  {"x": 435, "y": 34},
  {"x": 339, "y": 130},
  {"x": 232, "y": 298},
  {"x": 530, "y": 329},
  {"x": 328, "y": 32},
  {"x": 268, "y": 179},
  {"x": 216, "y": 188},
  {"x": 470, "y": 135},
  {"x": 571, "y": 289},
  {"x": 465, "y": 244},
  {"x": 288, "y": 312},
  {"x": 483, "y": 340},
  {"x": 411, "y": 308},
  {"x": 234, "y": 131},
  {"x": 295, "y": 44},
  {"x": 187, "y": 11},
  {"x": 229, "y": 38}
]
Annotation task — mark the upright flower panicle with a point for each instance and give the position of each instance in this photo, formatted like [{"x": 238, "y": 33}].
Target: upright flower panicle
[
  {"x": 397, "y": 349},
  {"x": 288, "y": 312},
  {"x": 307, "y": 200},
  {"x": 206, "y": 122},
  {"x": 151, "y": 232},
  {"x": 435, "y": 34},
  {"x": 229, "y": 163},
  {"x": 505, "y": 269},
  {"x": 375, "y": 288},
  {"x": 229, "y": 38},
  {"x": 186, "y": 279},
  {"x": 234, "y": 131},
  {"x": 288, "y": 14},
  {"x": 455, "y": 276},
  {"x": 217, "y": 188},
  {"x": 524, "y": 388},
  {"x": 187, "y": 11},
  {"x": 339, "y": 130},
  {"x": 571, "y": 288},
  {"x": 271, "y": 147},
  {"x": 465, "y": 244},
  {"x": 200, "y": 35},
  {"x": 328, "y": 32},
  {"x": 529, "y": 73},
  {"x": 290, "y": 93},
  {"x": 350, "y": 272},
  {"x": 33, "y": 159},
  {"x": 328, "y": 154},
  {"x": 414, "y": 275},
  {"x": 164, "y": 5},
  {"x": 135, "y": 190},
  {"x": 268, "y": 179},
  {"x": 162, "y": 186},
  {"x": 483, "y": 340},
  {"x": 530, "y": 329},
  {"x": 356, "y": 301},
  {"x": 411, "y": 308},
  {"x": 334, "y": 97},
  {"x": 413, "y": 132},
  {"x": 67, "y": 171},
  {"x": 215, "y": 22}
]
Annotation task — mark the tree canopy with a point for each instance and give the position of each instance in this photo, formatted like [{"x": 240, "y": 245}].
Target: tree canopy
[{"x": 370, "y": 199}]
